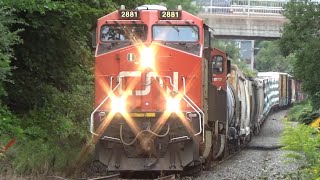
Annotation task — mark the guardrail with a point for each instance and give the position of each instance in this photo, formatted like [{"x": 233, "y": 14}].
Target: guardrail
[
  {"x": 244, "y": 10},
  {"x": 243, "y": 7}
]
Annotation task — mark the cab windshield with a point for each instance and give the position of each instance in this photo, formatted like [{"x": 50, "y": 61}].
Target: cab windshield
[
  {"x": 116, "y": 36},
  {"x": 175, "y": 33},
  {"x": 128, "y": 32}
]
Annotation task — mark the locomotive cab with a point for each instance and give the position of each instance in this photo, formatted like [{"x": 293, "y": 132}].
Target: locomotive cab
[{"x": 148, "y": 90}]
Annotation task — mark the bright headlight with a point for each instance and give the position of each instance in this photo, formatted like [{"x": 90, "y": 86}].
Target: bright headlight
[
  {"x": 173, "y": 105},
  {"x": 147, "y": 57},
  {"x": 119, "y": 104}
]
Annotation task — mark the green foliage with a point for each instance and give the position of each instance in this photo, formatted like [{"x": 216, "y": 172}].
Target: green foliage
[
  {"x": 303, "y": 113},
  {"x": 7, "y": 40},
  {"x": 231, "y": 49},
  {"x": 39, "y": 156},
  {"x": 55, "y": 46},
  {"x": 302, "y": 37},
  {"x": 304, "y": 141},
  {"x": 244, "y": 68},
  {"x": 9, "y": 129},
  {"x": 298, "y": 109},
  {"x": 269, "y": 58},
  {"x": 9, "y": 124},
  {"x": 307, "y": 69},
  {"x": 303, "y": 25},
  {"x": 307, "y": 116},
  {"x": 54, "y": 134},
  {"x": 52, "y": 94}
]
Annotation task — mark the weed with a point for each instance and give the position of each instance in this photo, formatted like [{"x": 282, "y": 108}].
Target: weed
[{"x": 304, "y": 142}]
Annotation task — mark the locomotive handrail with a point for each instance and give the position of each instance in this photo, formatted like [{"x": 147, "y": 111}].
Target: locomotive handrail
[
  {"x": 193, "y": 106},
  {"x": 184, "y": 91},
  {"x": 95, "y": 110}
]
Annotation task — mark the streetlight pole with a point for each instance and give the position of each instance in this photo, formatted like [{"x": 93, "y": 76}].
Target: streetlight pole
[{"x": 252, "y": 55}]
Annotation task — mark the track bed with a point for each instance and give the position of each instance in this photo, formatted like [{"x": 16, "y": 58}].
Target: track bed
[{"x": 262, "y": 158}]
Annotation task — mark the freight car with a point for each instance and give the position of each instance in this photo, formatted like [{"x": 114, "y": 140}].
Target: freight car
[{"x": 165, "y": 99}]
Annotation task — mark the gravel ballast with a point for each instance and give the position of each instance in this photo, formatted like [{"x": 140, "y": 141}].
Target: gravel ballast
[{"x": 261, "y": 159}]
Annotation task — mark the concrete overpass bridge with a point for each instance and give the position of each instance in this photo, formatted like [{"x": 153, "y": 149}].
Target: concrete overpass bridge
[{"x": 244, "y": 19}]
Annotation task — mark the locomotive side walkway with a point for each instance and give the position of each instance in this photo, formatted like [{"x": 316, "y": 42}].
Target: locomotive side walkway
[{"x": 262, "y": 159}]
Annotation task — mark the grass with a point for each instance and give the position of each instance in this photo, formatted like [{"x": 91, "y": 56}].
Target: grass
[{"x": 303, "y": 142}]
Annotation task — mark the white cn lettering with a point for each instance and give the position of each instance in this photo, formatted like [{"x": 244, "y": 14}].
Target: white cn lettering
[
  {"x": 175, "y": 82},
  {"x": 147, "y": 89},
  {"x": 123, "y": 74},
  {"x": 147, "y": 84}
]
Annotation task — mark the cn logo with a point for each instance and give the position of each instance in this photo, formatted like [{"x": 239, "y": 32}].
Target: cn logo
[{"x": 148, "y": 77}]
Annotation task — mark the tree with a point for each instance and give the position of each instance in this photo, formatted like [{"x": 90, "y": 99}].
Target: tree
[
  {"x": 8, "y": 123},
  {"x": 229, "y": 47},
  {"x": 52, "y": 94},
  {"x": 7, "y": 40},
  {"x": 302, "y": 37},
  {"x": 269, "y": 58},
  {"x": 234, "y": 52}
]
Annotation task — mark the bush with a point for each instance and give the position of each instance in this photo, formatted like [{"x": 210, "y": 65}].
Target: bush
[
  {"x": 295, "y": 112},
  {"x": 43, "y": 157},
  {"x": 304, "y": 141},
  {"x": 307, "y": 117},
  {"x": 315, "y": 100},
  {"x": 56, "y": 132},
  {"x": 303, "y": 113},
  {"x": 52, "y": 94},
  {"x": 9, "y": 130},
  {"x": 9, "y": 124}
]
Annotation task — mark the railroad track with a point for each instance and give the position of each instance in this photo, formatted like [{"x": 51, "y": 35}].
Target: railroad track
[
  {"x": 169, "y": 177},
  {"x": 109, "y": 177},
  {"x": 117, "y": 176},
  {"x": 112, "y": 177}
]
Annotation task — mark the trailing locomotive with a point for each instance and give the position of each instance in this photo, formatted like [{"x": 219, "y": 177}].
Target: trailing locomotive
[{"x": 165, "y": 99}]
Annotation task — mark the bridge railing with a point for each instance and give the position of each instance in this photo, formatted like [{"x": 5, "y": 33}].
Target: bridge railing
[{"x": 243, "y": 7}]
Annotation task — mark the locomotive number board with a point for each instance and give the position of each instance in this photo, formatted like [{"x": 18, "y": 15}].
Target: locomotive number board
[
  {"x": 141, "y": 115},
  {"x": 132, "y": 14},
  {"x": 170, "y": 15}
]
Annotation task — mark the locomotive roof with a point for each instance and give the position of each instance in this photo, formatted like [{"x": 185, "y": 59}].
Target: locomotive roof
[
  {"x": 268, "y": 74},
  {"x": 152, "y": 7}
]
